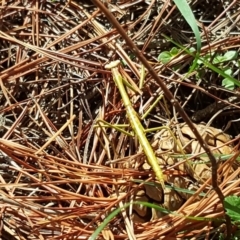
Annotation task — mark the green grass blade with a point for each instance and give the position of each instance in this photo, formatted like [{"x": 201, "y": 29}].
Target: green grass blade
[
  {"x": 106, "y": 221},
  {"x": 187, "y": 13},
  {"x": 117, "y": 211},
  {"x": 146, "y": 204}
]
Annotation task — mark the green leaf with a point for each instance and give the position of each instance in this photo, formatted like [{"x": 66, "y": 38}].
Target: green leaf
[
  {"x": 230, "y": 55},
  {"x": 219, "y": 59},
  {"x": 174, "y": 51},
  {"x": 165, "y": 57},
  {"x": 232, "y": 206},
  {"x": 192, "y": 49},
  {"x": 205, "y": 57},
  {"x": 226, "y": 82}
]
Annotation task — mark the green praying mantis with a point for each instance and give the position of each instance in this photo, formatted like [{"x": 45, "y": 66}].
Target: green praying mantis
[{"x": 138, "y": 130}]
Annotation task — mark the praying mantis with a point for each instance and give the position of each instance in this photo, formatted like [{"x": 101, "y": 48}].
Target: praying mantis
[{"x": 138, "y": 130}]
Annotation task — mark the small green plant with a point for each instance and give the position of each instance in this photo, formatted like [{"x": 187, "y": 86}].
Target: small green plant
[
  {"x": 232, "y": 207},
  {"x": 226, "y": 82},
  {"x": 225, "y": 63},
  {"x": 167, "y": 56}
]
